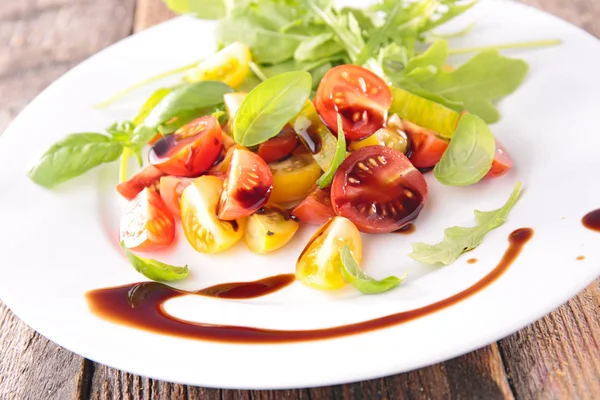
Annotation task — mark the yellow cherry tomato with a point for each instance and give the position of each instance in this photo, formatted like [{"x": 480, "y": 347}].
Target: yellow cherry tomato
[
  {"x": 230, "y": 65},
  {"x": 269, "y": 229},
  {"x": 205, "y": 232},
  {"x": 319, "y": 263},
  {"x": 392, "y": 135},
  {"x": 294, "y": 177}
]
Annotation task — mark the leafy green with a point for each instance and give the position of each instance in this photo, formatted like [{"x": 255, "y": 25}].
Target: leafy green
[
  {"x": 360, "y": 280},
  {"x": 379, "y": 35},
  {"x": 269, "y": 106},
  {"x": 469, "y": 155},
  {"x": 72, "y": 156},
  {"x": 155, "y": 270},
  {"x": 483, "y": 79},
  {"x": 340, "y": 154},
  {"x": 317, "y": 47},
  {"x": 150, "y": 104},
  {"x": 435, "y": 56},
  {"x": 205, "y": 9},
  {"x": 458, "y": 240}
]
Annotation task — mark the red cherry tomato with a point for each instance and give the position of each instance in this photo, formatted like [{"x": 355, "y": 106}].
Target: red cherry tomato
[
  {"x": 247, "y": 187},
  {"x": 361, "y": 97},
  {"x": 426, "y": 147},
  {"x": 191, "y": 150},
  {"x": 147, "y": 177},
  {"x": 149, "y": 225},
  {"x": 280, "y": 146},
  {"x": 171, "y": 188},
  {"x": 378, "y": 189},
  {"x": 316, "y": 208},
  {"x": 502, "y": 162}
]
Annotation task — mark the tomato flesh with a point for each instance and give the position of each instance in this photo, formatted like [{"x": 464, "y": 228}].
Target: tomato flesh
[
  {"x": 247, "y": 187},
  {"x": 171, "y": 188},
  {"x": 358, "y": 95},
  {"x": 147, "y": 177},
  {"x": 427, "y": 147},
  {"x": 191, "y": 150},
  {"x": 378, "y": 189},
  {"x": 316, "y": 208},
  {"x": 502, "y": 162},
  {"x": 279, "y": 147},
  {"x": 149, "y": 225}
]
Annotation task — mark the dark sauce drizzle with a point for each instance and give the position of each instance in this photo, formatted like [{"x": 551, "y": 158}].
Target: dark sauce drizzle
[
  {"x": 592, "y": 220},
  {"x": 141, "y": 306},
  {"x": 407, "y": 230}
]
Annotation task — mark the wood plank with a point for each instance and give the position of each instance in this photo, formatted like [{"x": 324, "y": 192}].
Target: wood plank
[{"x": 39, "y": 41}]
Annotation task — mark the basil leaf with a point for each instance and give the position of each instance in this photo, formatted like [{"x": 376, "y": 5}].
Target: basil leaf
[
  {"x": 269, "y": 106},
  {"x": 155, "y": 270},
  {"x": 338, "y": 158},
  {"x": 469, "y": 155},
  {"x": 187, "y": 98},
  {"x": 458, "y": 240},
  {"x": 150, "y": 104},
  {"x": 360, "y": 280},
  {"x": 317, "y": 47},
  {"x": 72, "y": 156},
  {"x": 485, "y": 78}
]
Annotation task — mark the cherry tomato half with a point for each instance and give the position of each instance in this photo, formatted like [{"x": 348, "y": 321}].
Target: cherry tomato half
[
  {"x": 280, "y": 146},
  {"x": 378, "y": 189},
  {"x": 147, "y": 177},
  {"x": 427, "y": 147},
  {"x": 171, "y": 188},
  {"x": 361, "y": 97},
  {"x": 247, "y": 187},
  {"x": 191, "y": 150},
  {"x": 502, "y": 162},
  {"x": 315, "y": 208},
  {"x": 149, "y": 225}
]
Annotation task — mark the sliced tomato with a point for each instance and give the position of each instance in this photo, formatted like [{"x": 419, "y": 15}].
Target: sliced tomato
[
  {"x": 294, "y": 177},
  {"x": 378, "y": 189},
  {"x": 230, "y": 65},
  {"x": 279, "y": 147},
  {"x": 147, "y": 177},
  {"x": 149, "y": 225},
  {"x": 427, "y": 147},
  {"x": 247, "y": 187},
  {"x": 502, "y": 162},
  {"x": 171, "y": 188},
  {"x": 191, "y": 150},
  {"x": 269, "y": 229},
  {"x": 316, "y": 208},
  {"x": 361, "y": 97},
  {"x": 392, "y": 135}
]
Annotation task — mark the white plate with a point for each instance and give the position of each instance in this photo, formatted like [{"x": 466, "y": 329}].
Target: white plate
[{"x": 55, "y": 245}]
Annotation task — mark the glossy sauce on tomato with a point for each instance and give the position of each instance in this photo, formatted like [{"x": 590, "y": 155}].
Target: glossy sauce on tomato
[
  {"x": 378, "y": 189},
  {"x": 140, "y": 306}
]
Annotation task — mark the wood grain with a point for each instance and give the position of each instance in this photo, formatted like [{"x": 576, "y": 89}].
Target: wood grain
[{"x": 557, "y": 357}]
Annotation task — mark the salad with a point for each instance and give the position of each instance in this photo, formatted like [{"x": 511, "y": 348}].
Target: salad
[{"x": 307, "y": 114}]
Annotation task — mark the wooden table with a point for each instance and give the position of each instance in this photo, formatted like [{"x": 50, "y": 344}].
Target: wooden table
[{"x": 557, "y": 357}]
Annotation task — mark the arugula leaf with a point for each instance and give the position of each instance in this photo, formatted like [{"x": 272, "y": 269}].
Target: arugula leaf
[
  {"x": 269, "y": 106},
  {"x": 379, "y": 35},
  {"x": 449, "y": 9},
  {"x": 360, "y": 280},
  {"x": 469, "y": 155},
  {"x": 155, "y": 270},
  {"x": 436, "y": 56},
  {"x": 72, "y": 156},
  {"x": 483, "y": 79},
  {"x": 317, "y": 47},
  {"x": 338, "y": 158},
  {"x": 458, "y": 240}
]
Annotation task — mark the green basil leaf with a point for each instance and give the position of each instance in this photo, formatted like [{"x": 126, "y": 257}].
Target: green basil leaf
[
  {"x": 360, "y": 280},
  {"x": 317, "y": 47},
  {"x": 72, "y": 156},
  {"x": 340, "y": 154},
  {"x": 469, "y": 155},
  {"x": 185, "y": 99},
  {"x": 121, "y": 131},
  {"x": 150, "y": 104},
  {"x": 155, "y": 270},
  {"x": 458, "y": 240},
  {"x": 269, "y": 106},
  {"x": 205, "y": 9},
  {"x": 479, "y": 82}
]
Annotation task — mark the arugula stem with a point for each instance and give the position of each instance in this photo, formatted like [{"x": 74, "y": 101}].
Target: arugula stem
[
  {"x": 379, "y": 36},
  {"x": 257, "y": 71},
  {"x": 523, "y": 45},
  {"x": 124, "y": 164},
  {"x": 144, "y": 83}
]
